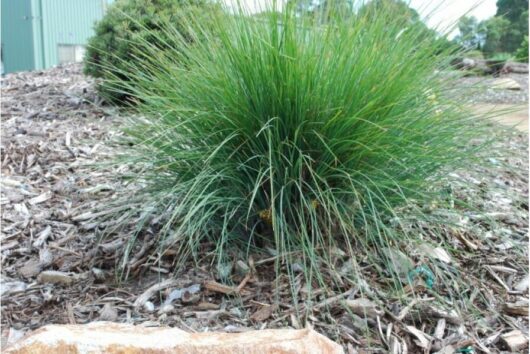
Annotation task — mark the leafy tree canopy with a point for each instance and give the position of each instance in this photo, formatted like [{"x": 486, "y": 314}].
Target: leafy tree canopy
[
  {"x": 512, "y": 9},
  {"x": 522, "y": 52},
  {"x": 472, "y": 33},
  {"x": 323, "y": 10},
  {"x": 503, "y": 33}
]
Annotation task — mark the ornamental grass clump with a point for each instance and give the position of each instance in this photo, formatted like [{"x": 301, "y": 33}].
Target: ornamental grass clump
[{"x": 306, "y": 137}]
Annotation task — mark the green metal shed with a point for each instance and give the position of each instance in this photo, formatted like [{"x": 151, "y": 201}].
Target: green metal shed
[{"x": 38, "y": 34}]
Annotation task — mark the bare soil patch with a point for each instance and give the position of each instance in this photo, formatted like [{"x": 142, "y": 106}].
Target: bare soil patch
[{"x": 55, "y": 268}]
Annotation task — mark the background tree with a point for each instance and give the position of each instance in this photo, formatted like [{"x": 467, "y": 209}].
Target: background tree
[
  {"x": 506, "y": 31},
  {"x": 522, "y": 52},
  {"x": 323, "y": 10},
  {"x": 497, "y": 29},
  {"x": 511, "y": 9},
  {"x": 503, "y": 33},
  {"x": 410, "y": 19},
  {"x": 399, "y": 8},
  {"x": 472, "y": 33}
]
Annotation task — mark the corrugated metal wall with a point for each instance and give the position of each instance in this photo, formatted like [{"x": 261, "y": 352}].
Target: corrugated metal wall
[
  {"x": 67, "y": 22},
  {"x": 33, "y": 30}
]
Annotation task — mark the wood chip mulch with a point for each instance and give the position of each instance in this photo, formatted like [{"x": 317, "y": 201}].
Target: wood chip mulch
[{"x": 56, "y": 269}]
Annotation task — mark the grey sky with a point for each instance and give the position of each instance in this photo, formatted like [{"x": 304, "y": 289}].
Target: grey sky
[{"x": 444, "y": 13}]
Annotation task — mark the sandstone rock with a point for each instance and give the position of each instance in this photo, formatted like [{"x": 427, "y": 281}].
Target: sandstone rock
[
  {"x": 104, "y": 337},
  {"x": 506, "y": 84},
  {"x": 515, "y": 67},
  {"x": 463, "y": 63},
  {"x": 469, "y": 63},
  {"x": 482, "y": 68},
  {"x": 477, "y": 66}
]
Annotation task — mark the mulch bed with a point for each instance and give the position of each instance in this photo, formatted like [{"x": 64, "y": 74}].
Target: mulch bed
[{"x": 56, "y": 269}]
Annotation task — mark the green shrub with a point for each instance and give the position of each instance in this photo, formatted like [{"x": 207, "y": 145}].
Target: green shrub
[
  {"x": 474, "y": 54},
  {"x": 128, "y": 22},
  {"x": 504, "y": 57},
  {"x": 522, "y": 52},
  {"x": 279, "y": 133}
]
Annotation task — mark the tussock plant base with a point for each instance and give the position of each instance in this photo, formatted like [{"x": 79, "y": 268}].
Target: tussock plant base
[{"x": 313, "y": 139}]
